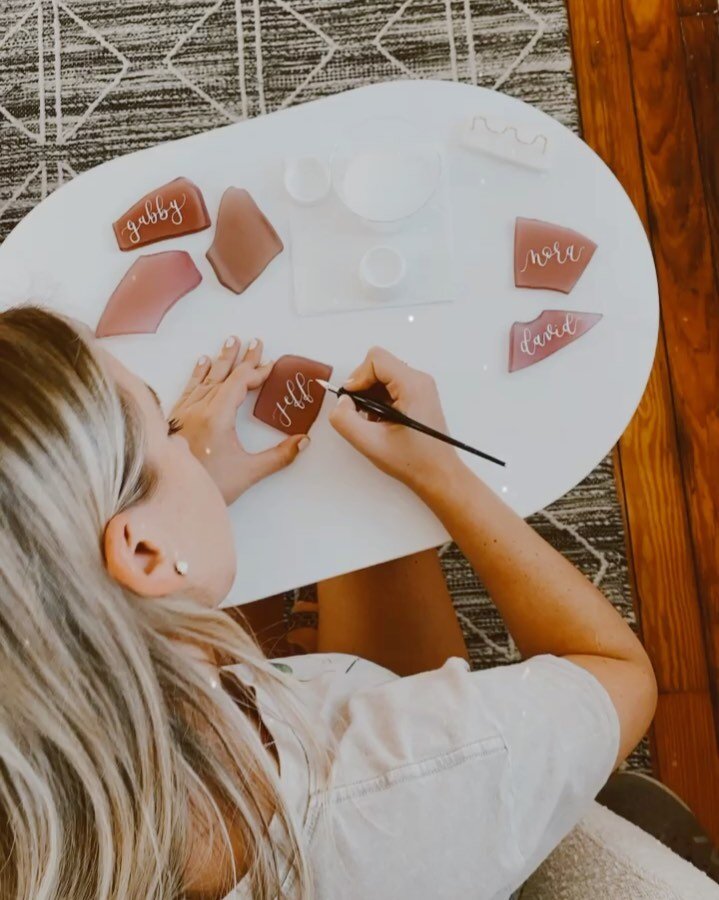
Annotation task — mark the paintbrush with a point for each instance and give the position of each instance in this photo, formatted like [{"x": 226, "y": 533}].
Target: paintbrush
[{"x": 388, "y": 413}]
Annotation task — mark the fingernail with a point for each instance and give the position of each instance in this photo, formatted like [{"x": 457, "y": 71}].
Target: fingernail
[
  {"x": 345, "y": 401},
  {"x": 202, "y": 361},
  {"x": 305, "y": 442},
  {"x": 349, "y": 382},
  {"x": 230, "y": 342},
  {"x": 253, "y": 343}
]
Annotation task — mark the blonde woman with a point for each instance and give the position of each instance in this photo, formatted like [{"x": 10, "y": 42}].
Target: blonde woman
[{"x": 149, "y": 750}]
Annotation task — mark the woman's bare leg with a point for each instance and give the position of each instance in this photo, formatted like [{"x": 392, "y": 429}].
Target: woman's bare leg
[{"x": 398, "y": 614}]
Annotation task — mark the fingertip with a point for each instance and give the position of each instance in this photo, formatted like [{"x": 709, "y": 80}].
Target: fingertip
[
  {"x": 343, "y": 409},
  {"x": 289, "y": 449},
  {"x": 345, "y": 402},
  {"x": 253, "y": 352},
  {"x": 279, "y": 457}
]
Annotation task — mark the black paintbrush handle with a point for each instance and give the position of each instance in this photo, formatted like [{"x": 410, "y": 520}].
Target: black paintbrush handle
[{"x": 390, "y": 414}]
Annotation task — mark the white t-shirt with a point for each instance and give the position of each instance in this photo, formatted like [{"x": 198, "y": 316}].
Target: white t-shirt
[{"x": 446, "y": 785}]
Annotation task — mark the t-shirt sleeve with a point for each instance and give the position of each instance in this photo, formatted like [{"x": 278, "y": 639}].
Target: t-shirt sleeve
[
  {"x": 561, "y": 731},
  {"x": 491, "y": 767}
]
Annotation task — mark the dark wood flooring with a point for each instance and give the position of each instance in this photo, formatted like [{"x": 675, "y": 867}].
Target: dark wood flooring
[{"x": 648, "y": 83}]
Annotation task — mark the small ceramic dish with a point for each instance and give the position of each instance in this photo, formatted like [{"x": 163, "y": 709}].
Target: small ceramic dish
[
  {"x": 385, "y": 170},
  {"x": 307, "y": 179},
  {"x": 382, "y": 269}
]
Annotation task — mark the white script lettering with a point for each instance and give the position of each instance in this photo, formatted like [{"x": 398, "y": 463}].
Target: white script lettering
[
  {"x": 530, "y": 343},
  {"x": 542, "y": 257},
  {"x": 156, "y": 211},
  {"x": 297, "y": 397}
]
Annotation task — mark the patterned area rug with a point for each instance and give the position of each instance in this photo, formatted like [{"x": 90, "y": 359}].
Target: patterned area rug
[{"x": 83, "y": 81}]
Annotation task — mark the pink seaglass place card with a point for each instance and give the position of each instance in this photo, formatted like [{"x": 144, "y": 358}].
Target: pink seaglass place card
[
  {"x": 245, "y": 241},
  {"x": 552, "y": 330},
  {"x": 549, "y": 256},
  {"x": 149, "y": 288}
]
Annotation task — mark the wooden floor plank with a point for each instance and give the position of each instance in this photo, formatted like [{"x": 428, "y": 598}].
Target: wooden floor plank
[
  {"x": 650, "y": 472},
  {"x": 668, "y": 604},
  {"x": 682, "y": 752},
  {"x": 692, "y": 7},
  {"x": 682, "y": 250},
  {"x": 701, "y": 44},
  {"x": 648, "y": 452}
]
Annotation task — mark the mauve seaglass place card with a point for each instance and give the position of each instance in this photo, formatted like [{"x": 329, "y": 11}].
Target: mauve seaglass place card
[
  {"x": 552, "y": 330},
  {"x": 549, "y": 256}
]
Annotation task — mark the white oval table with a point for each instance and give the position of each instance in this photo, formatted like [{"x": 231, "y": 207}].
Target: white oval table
[{"x": 332, "y": 512}]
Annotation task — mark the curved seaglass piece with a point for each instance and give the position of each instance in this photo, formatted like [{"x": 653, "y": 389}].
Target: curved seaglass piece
[
  {"x": 170, "y": 211},
  {"x": 531, "y": 342},
  {"x": 245, "y": 241},
  {"x": 151, "y": 286},
  {"x": 549, "y": 256},
  {"x": 291, "y": 398}
]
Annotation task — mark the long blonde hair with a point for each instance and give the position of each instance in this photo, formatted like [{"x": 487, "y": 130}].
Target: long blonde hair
[{"x": 112, "y": 744}]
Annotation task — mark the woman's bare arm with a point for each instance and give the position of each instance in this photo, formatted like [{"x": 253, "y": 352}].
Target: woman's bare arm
[{"x": 548, "y": 605}]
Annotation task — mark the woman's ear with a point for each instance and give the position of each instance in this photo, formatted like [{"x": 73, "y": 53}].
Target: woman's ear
[{"x": 135, "y": 560}]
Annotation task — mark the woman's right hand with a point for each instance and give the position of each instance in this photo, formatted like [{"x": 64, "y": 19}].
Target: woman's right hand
[{"x": 416, "y": 459}]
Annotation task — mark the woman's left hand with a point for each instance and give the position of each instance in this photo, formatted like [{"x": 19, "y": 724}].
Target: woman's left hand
[{"x": 206, "y": 414}]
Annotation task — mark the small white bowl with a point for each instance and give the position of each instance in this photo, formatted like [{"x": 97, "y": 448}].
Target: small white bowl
[
  {"x": 385, "y": 170},
  {"x": 382, "y": 269},
  {"x": 307, "y": 179}
]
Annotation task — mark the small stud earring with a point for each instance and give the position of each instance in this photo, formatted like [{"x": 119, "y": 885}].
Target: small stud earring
[{"x": 181, "y": 567}]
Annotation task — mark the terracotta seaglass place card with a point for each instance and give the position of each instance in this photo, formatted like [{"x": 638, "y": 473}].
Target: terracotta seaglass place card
[
  {"x": 151, "y": 286},
  {"x": 245, "y": 242},
  {"x": 170, "y": 211},
  {"x": 291, "y": 398},
  {"x": 554, "y": 329},
  {"x": 549, "y": 256}
]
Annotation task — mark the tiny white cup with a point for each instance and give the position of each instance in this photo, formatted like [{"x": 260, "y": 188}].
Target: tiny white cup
[
  {"x": 307, "y": 179},
  {"x": 382, "y": 269}
]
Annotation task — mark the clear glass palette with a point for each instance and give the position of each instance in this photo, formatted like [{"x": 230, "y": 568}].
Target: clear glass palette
[{"x": 328, "y": 243}]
